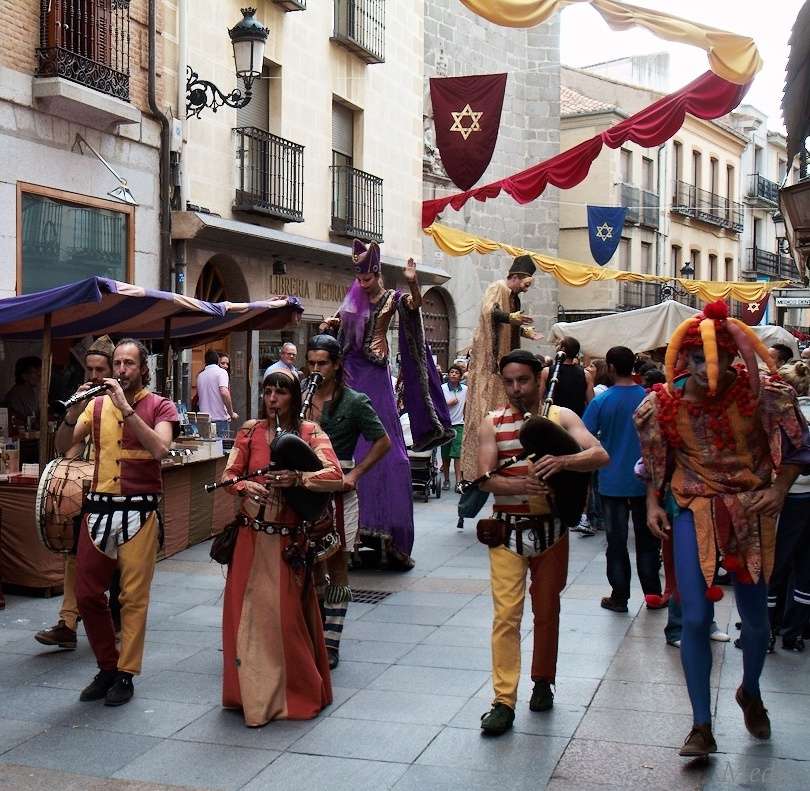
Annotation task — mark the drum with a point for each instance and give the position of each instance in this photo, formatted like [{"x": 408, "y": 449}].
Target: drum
[{"x": 59, "y": 500}]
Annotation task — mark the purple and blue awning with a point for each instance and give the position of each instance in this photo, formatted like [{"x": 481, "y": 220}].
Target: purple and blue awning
[{"x": 99, "y": 305}]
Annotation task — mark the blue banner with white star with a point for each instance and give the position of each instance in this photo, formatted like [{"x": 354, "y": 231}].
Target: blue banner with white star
[{"x": 605, "y": 225}]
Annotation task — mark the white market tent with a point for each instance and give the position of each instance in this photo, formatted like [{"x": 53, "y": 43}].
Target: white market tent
[{"x": 646, "y": 328}]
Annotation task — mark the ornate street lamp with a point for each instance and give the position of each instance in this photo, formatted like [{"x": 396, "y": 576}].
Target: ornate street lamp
[{"x": 248, "y": 38}]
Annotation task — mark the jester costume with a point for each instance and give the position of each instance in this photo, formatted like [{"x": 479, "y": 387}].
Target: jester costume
[
  {"x": 384, "y": 492},
  {"x": 718, "y": 454},
  {"x": 499, "y": 332}
]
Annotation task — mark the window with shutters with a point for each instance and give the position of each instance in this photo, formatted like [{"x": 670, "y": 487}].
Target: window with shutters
[
  {"x": 86, "y": 41},
  {"x": 269, "y": 169},
  {"x": 356, "y": 195}
]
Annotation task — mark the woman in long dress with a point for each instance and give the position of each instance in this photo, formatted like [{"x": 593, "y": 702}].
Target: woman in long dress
[
  {"x": 363, "y": 320},
  {"x": 275, "y": 661}
]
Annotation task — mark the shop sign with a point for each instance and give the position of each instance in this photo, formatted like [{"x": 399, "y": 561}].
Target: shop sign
[
  {"x": 307, "y": 289},
  {"x": 799, "y": 298}
]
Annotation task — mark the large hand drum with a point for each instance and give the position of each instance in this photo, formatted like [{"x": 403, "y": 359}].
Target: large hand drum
[
  {"x": 59, "y": 500},
  {"x": 540, "y": 437}
]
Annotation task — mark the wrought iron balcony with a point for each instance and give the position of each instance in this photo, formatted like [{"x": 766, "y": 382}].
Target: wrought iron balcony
[
  {"x": 762, "y": 191},
  {"x": 86, "y": 41},
  {"x": 691, "y": 201},
  {"x": 630, "y": 197},
  {"x": 649, "y": 209},
  {"x": 357, "y": 203},
  {"x": 292, "y": 5},
  {"x": 269, "y": 175},
  {"x": 773, "y": 265},
  {"x": 360, "y": 27}
]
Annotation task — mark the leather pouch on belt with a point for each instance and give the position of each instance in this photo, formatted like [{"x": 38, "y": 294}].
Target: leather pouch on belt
[{"x": 491, "y": 532}]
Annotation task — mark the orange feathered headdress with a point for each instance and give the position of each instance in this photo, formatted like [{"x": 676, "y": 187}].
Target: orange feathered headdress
[{"x": 713, "y": 329}]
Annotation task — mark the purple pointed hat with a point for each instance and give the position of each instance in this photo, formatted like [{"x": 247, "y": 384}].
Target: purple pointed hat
[{"x": 366, "y": 259}]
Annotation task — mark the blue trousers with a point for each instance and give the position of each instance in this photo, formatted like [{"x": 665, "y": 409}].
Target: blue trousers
[{"x": 696, "y": 654}]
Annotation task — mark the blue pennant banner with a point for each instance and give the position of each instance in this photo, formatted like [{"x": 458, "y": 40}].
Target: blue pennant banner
[{"x": 605, "y": 225}]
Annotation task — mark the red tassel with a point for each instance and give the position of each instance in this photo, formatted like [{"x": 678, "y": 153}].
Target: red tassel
[
  {"x": 717, "y": 310},
  {"x": 656, "y": 602},
  {"x": 731, "y": 563},
  {"x": 714, "y": 593}
]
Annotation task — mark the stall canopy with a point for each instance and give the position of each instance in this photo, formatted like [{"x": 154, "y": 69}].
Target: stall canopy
[
  {"x": 98, "y": 305},
  {"x": 646, "y": 328}
]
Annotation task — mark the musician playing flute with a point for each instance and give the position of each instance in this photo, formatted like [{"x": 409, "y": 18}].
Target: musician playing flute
[
  {"x": 345, "y": 415},
  {"x": 534, "y": 537},
  {"x": 274, "y": 656},
  {"x": 97, "y": 367},
  {"x": 131, "y": 430}
]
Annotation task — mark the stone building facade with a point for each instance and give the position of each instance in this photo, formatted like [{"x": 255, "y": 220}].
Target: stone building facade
[
  {"x": 62, "y": 83},
  {"x": 458, "y": 43}
]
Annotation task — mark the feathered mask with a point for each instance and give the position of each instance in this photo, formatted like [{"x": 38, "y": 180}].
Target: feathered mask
[{"x": 713, "y": 329}]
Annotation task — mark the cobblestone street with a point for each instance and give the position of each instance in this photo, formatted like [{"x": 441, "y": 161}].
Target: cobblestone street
[{"x": 411, "y": 686}]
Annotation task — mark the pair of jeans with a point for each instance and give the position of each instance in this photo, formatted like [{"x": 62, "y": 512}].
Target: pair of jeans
[
  {"x": 790, "y": 580},
  {"x": 223, "y": 427},
  {"x": 617, "y": 511}
]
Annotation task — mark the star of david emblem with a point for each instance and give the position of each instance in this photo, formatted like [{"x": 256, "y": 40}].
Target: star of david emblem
[
  {"x": 604, "y": 232},
  {"x": 474, "y": 117},
  {"x": 753, "y": 307}
]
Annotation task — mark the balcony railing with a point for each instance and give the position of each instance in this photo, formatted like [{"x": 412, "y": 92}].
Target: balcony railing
[
  {"x": 762, "y": 190},
  {"x": 649, "y": 209},
  {"x": 691, "y": 201},
  {"x": 774, "y": 265},
  {"x": 357, "y": 203},
  {"x": 292, "y": 5},
  {"x": 269, "y": 175},
  {"x": 360, "y": 27},
  {"x": 642, "y": 206},
  {"x": 86, "y": 41},
  {"x": 630, "y": 197}
]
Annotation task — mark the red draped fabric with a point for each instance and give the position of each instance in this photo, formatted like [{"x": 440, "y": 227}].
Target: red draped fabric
[{"x": 707, "y": 97}]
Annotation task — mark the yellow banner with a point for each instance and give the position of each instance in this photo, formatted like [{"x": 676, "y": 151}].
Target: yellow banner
[
  {"x": 733, "y": 57},
  {"x": 455, "y": 242}
]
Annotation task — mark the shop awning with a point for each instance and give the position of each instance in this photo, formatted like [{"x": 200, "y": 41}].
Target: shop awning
[
  {"x": 190, "y": 225},
  {"x": 645, "y": 329},
  {"x": 99, "y": 305}
]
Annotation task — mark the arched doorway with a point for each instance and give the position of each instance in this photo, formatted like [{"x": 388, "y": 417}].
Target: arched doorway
[
  {"x": 221, "y": 280},
  {"x": 436, "y": 316}
]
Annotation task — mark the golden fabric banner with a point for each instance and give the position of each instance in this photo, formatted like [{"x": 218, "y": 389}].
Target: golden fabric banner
[
  {"x": 733, "y": 57},
  {"x": 456, "y": 243}
]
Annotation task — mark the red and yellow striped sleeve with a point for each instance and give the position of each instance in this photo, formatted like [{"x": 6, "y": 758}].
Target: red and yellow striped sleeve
[{"x": 330, "y": 478}]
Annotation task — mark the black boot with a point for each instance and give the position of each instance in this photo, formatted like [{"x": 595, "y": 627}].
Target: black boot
[
  {"x": 98, "y": 687},
  {"x": 121, "y": 691}
]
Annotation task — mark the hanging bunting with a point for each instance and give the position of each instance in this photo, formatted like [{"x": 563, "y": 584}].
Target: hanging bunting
[
  {"x": 707, "y": 97},
  {"x": 467, "y": 116},
  {"x": 572, "y": 273},
  {"x": 733, "y": 57},
  {"x": 754, "y": 310},
  {"x": 605, "y": 225}
]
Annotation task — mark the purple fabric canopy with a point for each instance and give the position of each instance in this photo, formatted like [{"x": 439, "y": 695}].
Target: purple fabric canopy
[{"x": 100, "y": 305}]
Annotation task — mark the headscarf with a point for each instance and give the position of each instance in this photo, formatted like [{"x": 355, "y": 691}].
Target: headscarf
[{"x": 355, "y": 310}]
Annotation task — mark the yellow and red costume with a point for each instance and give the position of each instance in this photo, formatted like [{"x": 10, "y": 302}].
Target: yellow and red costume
[{"x": 121, "y": 529}]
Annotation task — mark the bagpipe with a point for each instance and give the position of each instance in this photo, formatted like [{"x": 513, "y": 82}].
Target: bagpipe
[{"x": 539, "y": 436}]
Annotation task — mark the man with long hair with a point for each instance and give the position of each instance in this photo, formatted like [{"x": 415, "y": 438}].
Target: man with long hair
[
  {"x": 131, "y": 430},
  {"x": 345, "y": 415}
]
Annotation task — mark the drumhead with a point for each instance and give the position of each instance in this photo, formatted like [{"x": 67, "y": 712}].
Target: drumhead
[
  {"x": 49, "y": 522},
  {"x": 41, "y": 499}
]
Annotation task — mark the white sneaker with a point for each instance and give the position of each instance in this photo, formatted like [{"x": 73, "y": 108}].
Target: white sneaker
[
  {"x": 674, "y": 643},
  {"x": 719, "y": 637}
]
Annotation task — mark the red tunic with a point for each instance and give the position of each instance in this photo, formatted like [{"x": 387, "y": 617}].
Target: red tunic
[{"x": 275, "y": 661}]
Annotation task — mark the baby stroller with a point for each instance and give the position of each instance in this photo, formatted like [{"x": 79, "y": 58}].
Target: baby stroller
[{"x": 424, "y": 466}]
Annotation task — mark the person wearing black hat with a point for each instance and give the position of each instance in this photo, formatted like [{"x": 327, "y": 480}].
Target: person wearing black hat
[
  {"x": 533, "y": 537},
  {"x": 344, "y": 415},
  {"x": 501, "y": 325}
]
